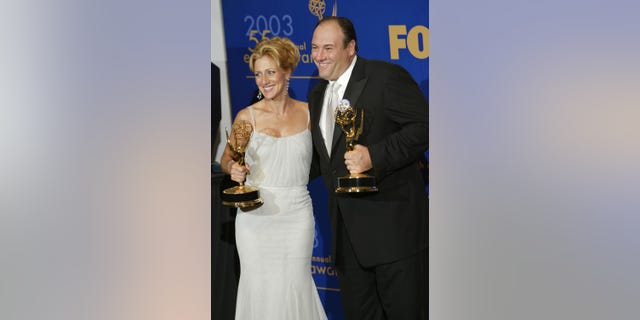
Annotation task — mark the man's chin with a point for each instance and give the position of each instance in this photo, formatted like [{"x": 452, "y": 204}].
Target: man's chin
[{"x": 323, "y": 73}]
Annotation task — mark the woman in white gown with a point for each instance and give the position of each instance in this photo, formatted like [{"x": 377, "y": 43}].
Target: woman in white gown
[{"x": 275, "y": 240}]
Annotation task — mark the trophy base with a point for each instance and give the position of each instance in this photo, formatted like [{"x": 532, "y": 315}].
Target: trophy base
[
  {"x": 241, "y": 197},
  {"x": 356, "y": 183}
]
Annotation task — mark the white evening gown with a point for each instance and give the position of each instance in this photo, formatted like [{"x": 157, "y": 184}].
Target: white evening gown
[{"x": 275, "y": 241}]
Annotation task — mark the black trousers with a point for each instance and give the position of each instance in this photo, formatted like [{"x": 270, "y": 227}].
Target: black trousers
[{"x": 396, "y": 290}]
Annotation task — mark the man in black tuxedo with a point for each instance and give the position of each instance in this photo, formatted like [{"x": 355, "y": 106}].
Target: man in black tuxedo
[{"x": 380, "y": 239}]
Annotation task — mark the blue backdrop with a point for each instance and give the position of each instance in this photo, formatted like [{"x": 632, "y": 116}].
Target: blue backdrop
[{"x": 392, "y": 31}]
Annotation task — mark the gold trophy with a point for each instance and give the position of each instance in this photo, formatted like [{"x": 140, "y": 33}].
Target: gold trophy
[
  {"x": 240, "y": 196},
  {"x": 355, "y": 182}
]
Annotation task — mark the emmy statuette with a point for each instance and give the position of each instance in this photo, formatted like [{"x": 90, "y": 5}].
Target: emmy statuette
[
  {"x": 355, "y": 182},
  {"x": 240, "y": 196}
]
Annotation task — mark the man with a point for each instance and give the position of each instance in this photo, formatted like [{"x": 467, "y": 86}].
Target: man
[{"x": 380, "y": 239}]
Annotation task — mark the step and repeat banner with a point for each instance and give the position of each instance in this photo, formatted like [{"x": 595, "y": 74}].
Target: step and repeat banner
[{"x": 394, "y": 31}]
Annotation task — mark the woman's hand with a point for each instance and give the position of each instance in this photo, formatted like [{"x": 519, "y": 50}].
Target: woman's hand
[{"x": 237, "y": 172}]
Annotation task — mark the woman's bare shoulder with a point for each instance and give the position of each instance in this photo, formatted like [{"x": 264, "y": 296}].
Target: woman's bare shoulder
[
  {"x": 301, "y": 104},
  {"x": 243, "y": 115}
]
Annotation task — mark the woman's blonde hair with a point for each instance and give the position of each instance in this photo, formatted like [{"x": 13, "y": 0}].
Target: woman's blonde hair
[{"x": 282, "y": 50}]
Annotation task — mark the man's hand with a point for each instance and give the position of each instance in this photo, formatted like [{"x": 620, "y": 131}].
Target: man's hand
[{"x": 358, "y": 160}]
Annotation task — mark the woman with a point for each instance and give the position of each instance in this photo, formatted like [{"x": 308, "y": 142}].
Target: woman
[{"x": 275, "y": 240}]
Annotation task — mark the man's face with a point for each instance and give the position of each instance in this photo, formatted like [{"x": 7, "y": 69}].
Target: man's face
[{"x": 328, "y": 53}]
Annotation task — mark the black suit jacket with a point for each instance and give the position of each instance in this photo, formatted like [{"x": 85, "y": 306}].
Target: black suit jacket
[{"x": 392, "y": 223}]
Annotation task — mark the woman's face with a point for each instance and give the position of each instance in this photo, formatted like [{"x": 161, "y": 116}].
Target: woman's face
[{"x": 271, "y": 80}]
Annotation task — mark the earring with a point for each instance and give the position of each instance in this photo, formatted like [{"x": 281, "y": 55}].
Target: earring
[
  {"x": 259, "y": 96},
  {"x": 286, "y": 88}
]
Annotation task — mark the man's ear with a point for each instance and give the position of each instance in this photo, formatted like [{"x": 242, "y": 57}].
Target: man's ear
[{"x": 352, "y": 47}]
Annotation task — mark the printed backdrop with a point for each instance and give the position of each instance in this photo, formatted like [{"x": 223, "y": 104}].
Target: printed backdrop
[{"x": 387, "y": 30}]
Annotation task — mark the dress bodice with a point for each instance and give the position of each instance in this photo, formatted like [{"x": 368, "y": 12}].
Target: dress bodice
[{"x": 279, "y": 161}]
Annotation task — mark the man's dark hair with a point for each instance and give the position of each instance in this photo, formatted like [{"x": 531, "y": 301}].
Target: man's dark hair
[{"x": 346, "y": 25}]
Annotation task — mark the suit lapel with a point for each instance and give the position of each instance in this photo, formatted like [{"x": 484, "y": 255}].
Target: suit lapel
[
  {"x": 352, "y": 93},
  {"x": 316, "y": 110}
]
